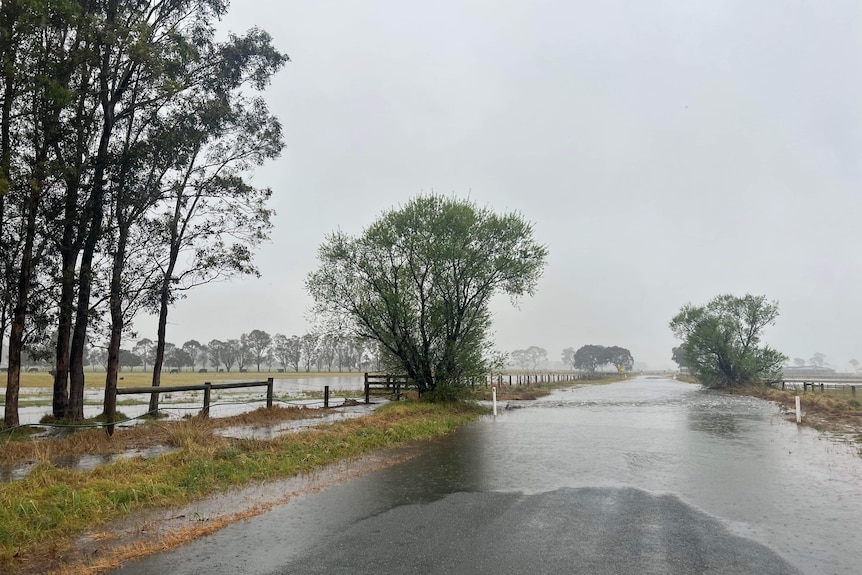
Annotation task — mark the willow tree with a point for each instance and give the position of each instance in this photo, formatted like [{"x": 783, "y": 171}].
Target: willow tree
[
  {"x": 420, "y": 281},
  {"x": 722, "y": 340}
]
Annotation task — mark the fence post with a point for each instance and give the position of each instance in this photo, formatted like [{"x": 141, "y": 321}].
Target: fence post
[
  {"x": 269, "y": 386},
  {"x": 853, "y": 390},
  {"x": 367, "y": 390},
  {"x": 205, "y": 412},
  {"x": 325, "y": 396}
]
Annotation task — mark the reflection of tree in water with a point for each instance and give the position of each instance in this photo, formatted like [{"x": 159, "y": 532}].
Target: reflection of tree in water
[{"x": 452, "y": 464}]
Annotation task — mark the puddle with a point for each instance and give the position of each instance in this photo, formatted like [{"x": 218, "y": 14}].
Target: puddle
[
  {"x": 346, "y": 409},
  {"x": 86, "y": 462}
]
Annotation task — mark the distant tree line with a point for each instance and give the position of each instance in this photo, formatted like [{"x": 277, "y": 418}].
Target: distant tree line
[
  {"x": 252, "y": 352},
  {"x": 588, "y": 358}
]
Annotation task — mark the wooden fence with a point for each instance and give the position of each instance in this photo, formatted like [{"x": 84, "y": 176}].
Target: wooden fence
[
  {"x": 206, "y": 387},
  {"x": 835, "y": 386},
  {"x": 391, "y": 384}
]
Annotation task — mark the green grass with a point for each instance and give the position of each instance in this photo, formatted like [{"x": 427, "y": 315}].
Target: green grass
[{"x": 43, "y": 511}]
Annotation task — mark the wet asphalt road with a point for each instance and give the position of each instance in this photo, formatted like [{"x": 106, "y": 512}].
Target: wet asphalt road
[
  {"x": 641, "y": 477},
  {"x": 591, "y": 531}
]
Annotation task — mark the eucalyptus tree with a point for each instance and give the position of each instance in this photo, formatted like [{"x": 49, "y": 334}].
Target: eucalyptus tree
[
  {"x": 242, "y": 351},
  {"x": 325, "y": 352},
  {"x": 138, "y": 52},
  {"x": 231, "y": 352},
  {"x": 215, "y": 351},
  {"x": 258, "y": 342},
  {"x": 144, "y": 349},
  {"x": 280, "y": 350},
  {"x": 210, "y": 218},
  {"x": 530, "y": 357},
  {"x": 308, "y": 345},
  {"x": 420, "y": 279},
  {"x": 196, "y": 352},
  {"x": 294, "y": 352},
  {"x": 34, "y": 76}
]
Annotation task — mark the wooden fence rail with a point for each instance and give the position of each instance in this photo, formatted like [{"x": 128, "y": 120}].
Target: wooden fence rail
[
  {"x": 206, "y": 387},
  {"x": 840, "y": 387}
]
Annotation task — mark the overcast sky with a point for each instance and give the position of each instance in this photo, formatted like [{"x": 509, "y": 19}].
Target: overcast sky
[{"x": 666, "y": 152}]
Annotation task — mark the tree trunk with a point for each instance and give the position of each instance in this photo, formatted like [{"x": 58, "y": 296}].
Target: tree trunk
[
  {"x": 75, "y": 409},
  {"x": 164, "y": 298},
  {"x": 117, "y": 323},
  {"x": 16, "y": 336},
  {"x": 60, "y": 402}
]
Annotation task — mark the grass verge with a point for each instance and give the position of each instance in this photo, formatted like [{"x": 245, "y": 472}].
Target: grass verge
[
  {"x": 40, "y": 515},
  {"x": 825, "y": 411}
]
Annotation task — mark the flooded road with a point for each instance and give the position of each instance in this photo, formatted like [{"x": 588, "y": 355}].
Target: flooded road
[{"x": 642, "y": 476}]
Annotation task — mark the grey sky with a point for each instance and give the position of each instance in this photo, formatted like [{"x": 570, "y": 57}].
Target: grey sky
[{"x": 667, "y": 152}]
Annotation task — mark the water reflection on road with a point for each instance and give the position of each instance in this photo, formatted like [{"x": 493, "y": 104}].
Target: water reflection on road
[{"x": 734, "y": 458}]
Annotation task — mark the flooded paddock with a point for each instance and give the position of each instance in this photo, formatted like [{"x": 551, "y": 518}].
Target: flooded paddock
[{"x": 180, "y": 404}]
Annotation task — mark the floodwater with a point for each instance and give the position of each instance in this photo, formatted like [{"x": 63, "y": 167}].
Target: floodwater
[
  {"x": 665, "y": 460},
  {"x": 225, "y": 402}
]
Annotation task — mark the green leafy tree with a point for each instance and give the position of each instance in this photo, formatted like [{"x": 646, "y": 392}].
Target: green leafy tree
[
  {"x": 590, "y": 357},
  {"x": 619, "y": 357},
  {"x": 419, "y": 280},
  {"x": 129, "y": 359},
  {"x": 722, "y": 340}
]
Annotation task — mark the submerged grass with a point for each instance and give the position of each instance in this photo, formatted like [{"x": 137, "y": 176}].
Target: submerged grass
[{"x": 41, "y": 513}]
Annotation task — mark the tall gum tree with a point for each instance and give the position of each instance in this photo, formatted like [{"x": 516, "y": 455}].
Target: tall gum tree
[
  {"x": 33, "y": 46},
  {"x": 211, "y": 218}
]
